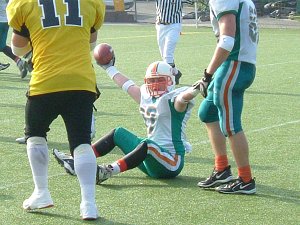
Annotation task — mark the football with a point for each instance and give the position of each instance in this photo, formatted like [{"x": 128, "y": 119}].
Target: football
[{"x": 103, "y": 53}]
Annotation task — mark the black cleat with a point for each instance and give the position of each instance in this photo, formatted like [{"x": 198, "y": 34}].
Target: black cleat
[
  {"x": 238, "y": 187},
  {"x": 65, "y": 160},
  {"x": 177, "y": 77},
  {"x": 23, "y": 67},
  {"x": 103, "y": 173},
  {"x": 217, "y": 178},
  {"x": 4, "y": 66}
]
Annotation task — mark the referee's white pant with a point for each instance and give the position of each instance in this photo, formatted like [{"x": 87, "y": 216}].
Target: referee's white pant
[{"x": 167, "y": 38}]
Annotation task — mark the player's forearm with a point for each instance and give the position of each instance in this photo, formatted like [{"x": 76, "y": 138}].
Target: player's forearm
[
  {"x": 184, "y": 98},
  {"x": 93, "y": 40},
  {"x": 128, "y": 86},
  {"x": 20, "y": 45},
  {"x": 220, "y": 55}
]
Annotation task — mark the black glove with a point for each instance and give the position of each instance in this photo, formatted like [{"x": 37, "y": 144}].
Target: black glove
[{"x": 203, "y": 83}]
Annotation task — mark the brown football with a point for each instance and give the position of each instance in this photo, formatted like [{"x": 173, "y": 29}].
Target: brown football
[{"x": 103, "y": 53}]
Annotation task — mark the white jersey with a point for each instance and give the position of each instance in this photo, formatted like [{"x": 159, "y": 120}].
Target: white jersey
[
  {"x": 166, "y": 126},
  {"x": 246, "y": 37},
  {"x": 3, "y": 17}
]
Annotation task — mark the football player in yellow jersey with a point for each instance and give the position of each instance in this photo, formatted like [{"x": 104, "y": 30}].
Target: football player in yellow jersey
[{"x": 62, "y": 33}]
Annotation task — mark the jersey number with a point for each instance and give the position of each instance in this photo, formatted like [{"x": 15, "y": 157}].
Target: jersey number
[
  {"x": 52, "y": 19},
  {"x": 253, "y": 31}
]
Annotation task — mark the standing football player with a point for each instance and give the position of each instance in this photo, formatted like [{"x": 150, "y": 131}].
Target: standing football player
[
  {"x": 168, "y": 29},
  {"x": 230, "y": 72},
  {"x": 165, "y": 111},
  {"x": 63, "y": 83}
]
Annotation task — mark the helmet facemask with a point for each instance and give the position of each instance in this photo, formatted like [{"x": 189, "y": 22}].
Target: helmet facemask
[{"x": 159, "y": 79}]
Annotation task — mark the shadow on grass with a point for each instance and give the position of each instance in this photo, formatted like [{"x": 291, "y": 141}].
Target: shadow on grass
[
  {"x": 51, "y": 144},
  {"x": 263, "y": 191},
  {"x": 14, "y": 106},
  {"x": 5, "y": 197},
  {"x": 11, "y": 77},
  {"x": 100, "y": 220},
  {"x": 278, "y": 194},
  {"x": 149, "y": 182}
]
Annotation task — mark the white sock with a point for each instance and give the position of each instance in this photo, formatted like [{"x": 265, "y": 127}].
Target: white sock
[
  {"x": 115, "y": 168},
  {"x": 37, "y": 151},
  {"x": 85, "y": 167}
]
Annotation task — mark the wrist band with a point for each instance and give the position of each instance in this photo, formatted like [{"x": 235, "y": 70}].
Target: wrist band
[
  {"x": 112, "y": 71},
  {"x": 21, "y": 51},
  {"x": 127, "y": 84}
]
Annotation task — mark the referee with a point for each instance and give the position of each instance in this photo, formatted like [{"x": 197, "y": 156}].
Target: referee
[{"x": 168, "y": 28}]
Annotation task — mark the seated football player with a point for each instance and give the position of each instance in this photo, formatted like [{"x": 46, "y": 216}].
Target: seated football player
[{"x": 165, "y": 111}]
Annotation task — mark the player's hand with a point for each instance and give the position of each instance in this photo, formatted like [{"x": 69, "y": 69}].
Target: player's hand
[
  {"x": 203, "y": 83},
  {"x": 111, "y": 63}
]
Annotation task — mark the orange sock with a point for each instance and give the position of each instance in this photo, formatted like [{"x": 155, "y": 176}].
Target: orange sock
[
  {"x": 221, "y": 162},
  {"x": 245, "y": 173},
  {"x": 122, "y": 164}
]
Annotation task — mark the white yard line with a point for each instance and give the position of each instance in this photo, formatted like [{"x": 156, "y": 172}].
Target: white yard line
[
  {"x": 280, "y": 63},
  {"x": 262, "y": 129},
  {"x": 274, "y": 126}
]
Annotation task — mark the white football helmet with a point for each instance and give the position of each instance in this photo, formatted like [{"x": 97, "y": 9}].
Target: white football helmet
[{"x": 159, "y": 78}]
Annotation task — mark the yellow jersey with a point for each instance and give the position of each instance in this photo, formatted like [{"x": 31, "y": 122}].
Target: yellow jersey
[{"x": 59, "y": 31}]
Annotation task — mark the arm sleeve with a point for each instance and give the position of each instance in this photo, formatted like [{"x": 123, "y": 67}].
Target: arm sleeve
[
  {"x": 222, "y": 7},
  {"x": 14, "y": 15},
  {"x": 100, "y": 15}
]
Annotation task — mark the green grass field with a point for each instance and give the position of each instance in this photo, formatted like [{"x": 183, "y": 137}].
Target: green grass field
[{"x": 271, "y": 120}]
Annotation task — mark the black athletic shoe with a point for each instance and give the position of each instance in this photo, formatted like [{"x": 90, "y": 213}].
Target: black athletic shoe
[
  {"x": 65, "y": 160},
  {"x": 28, "y": 57},
  {"x": 23, "y": 67},
  {"x": 4, "y": 66},
  {"x": 217, "y": 178},
  {"x": 177, "y": 77},
  {"x": 103, "y": 173},
  {"x": 238, "y": 187}
]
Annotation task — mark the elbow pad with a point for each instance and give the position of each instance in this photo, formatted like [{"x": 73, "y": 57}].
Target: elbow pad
[
  {"x": 226, "y": 42},
  {"x": 21, "y": 51}
]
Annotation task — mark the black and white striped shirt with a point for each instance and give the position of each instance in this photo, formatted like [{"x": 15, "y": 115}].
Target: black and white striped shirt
[{"x": 170, "y": 11}]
